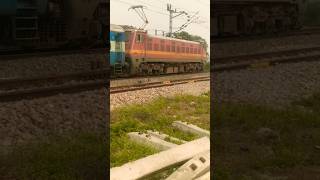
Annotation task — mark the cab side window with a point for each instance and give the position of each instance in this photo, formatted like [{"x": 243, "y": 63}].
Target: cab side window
[{"x": 139, "y": 38}]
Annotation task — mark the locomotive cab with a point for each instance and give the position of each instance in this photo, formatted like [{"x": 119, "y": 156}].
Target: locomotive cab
[{"x": 135, "y": 47}]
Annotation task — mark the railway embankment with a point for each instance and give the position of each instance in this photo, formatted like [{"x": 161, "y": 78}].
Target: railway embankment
[
  {"x": 26, "y": 120},
  {"x": 266, "y": 122},
  {"x": 147, "y": 95}
]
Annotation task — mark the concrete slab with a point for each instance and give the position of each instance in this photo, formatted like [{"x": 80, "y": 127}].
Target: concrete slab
[
  {"x": 194, "y": 168},
  {"x": 204, "y": 177},
  {"x": 149, "y": 140},
  {"x": 183, "y": 126},
  {"x": 148, "y": 165},
  {"x": 164, "y": 136}
]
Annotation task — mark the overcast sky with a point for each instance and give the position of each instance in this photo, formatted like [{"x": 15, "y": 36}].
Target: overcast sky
[{"x": 158, "y": 16}]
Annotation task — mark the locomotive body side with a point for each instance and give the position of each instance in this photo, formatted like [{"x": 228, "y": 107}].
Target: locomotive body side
[{"x": 161, "y": 55}]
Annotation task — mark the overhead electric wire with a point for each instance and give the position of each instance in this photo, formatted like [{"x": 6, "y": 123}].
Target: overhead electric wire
[
  {"x": 145, "y": 9},
  {"x": 165, "y": 14},
  {"x": 148, "y": 9}
]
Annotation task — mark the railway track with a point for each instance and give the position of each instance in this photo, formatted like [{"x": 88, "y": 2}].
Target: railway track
[
  {"x": 30, "y": 88},
  {"x": 18, "y": 83},
  {"x": 25, "y": 54},
  {"x": 50, "y": 91},
  {"x": 120, "y": 89},
  {"x": 305, "y": 31},
  {"x": 265, "y": 59}
]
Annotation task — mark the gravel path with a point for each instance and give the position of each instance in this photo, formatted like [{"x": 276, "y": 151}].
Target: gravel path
[
  {"x": 22, "y": 121},
  {"x": 147, "y": 95},
  {"x": 277, "y": 86}
]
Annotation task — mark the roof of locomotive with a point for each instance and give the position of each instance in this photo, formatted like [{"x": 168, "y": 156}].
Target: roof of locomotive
[
  {"x": 116, "y": 28},
  {"x": 132, "y": 28},
  {"x": 175, "y": 39}
]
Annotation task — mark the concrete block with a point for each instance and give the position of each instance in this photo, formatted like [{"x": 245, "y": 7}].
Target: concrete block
[
  {"x": 183, "y": 126},
  {"x": 159, "y": 161},
  {"x": 164, "y": 136},
  {"x": 194, "y": 168},
  {"x": 149, "y": 140},
  {"x": 204, "y": 177}
]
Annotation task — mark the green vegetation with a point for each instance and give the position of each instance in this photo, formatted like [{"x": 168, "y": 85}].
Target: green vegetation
[
  {"x": 157, "y": 115},
  {"x": 312, "y": 14},
  {"x": 207, "y": 66},
  {"x": 290, "y": 148},
  {"x": 75, "y": 156}
]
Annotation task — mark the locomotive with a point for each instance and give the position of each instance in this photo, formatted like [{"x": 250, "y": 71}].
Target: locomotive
[
  {"x": 146, "y": 54},
  {"x": 51, "y": 23},
  {"x": 253, "y": 17}
]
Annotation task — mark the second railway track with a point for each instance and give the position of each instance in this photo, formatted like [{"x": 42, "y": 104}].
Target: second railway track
[
  {"x": 29, "y": 88},
  {"x": 265, "y": 59}
]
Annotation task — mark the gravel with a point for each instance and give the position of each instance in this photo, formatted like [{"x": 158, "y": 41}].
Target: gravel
[
  {"x": 147, "y": 95},
  {"x": 51, "y": 65},
  {"x": 264, "y": 45},
  {"x": 22, "y": 121},
  {"x": 276, "y": 86}
]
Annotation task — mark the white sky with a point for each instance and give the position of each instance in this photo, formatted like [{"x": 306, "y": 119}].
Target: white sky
[{"x": 158, "y": 16}]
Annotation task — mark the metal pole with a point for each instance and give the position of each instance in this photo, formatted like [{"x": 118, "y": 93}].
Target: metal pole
[{"x": 170, "y": 25}]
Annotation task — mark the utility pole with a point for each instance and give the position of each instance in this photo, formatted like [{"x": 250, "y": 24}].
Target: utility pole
[{"x": 171, "y": 16}]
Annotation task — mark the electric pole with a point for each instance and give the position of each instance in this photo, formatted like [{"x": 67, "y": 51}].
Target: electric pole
[{"x": 171, "y": 16}]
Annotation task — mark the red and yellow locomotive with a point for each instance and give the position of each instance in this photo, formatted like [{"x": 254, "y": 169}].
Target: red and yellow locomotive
[{"x": 147, "y": 54}]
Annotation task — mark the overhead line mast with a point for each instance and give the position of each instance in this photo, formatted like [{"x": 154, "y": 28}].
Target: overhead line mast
[{"x": 171, "y": 16}]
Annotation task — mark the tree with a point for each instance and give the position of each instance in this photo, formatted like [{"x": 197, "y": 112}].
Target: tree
[{"x": 186, "y": 36}]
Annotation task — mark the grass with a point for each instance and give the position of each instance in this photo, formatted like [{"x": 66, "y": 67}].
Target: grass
[
  {"x": 207, "y": 66},
  {"x": 157, "y": 115},
  {"x": 73, "y": 156},
  {"x": 240, "y": 153}
]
